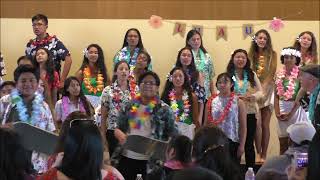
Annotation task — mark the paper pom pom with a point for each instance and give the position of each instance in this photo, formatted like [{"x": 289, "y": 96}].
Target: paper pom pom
[
  {"x": 155, "y": 21},
  {"x": 276, "y": 24}
]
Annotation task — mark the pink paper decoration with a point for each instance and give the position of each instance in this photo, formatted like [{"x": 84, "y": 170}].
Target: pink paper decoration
[
  {"x": 155, "y": 21},
  {"x": 276, "y": 24}
]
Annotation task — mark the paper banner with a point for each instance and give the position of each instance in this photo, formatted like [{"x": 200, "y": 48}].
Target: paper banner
[
  {"x": 221, "y": 32},
  {"x": 180, "y": 28},
  {"x": 247, "y": 30},
  {"x": 199, "y": 28}
]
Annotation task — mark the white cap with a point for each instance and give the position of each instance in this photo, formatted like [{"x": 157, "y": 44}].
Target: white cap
[{"x": 301, "y": 131}]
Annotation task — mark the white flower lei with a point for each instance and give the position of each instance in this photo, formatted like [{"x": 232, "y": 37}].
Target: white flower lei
[
  {"x": 290, "y": 52},
  {"x": 22, "y": 110}
]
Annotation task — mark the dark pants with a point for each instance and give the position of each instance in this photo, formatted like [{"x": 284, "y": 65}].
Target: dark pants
[
  {"x": 112, "y": 141},
  {"x": 129, "y": 168},
  {"x": 249, "y": 147},
  {"x": 233, "y": 149}
]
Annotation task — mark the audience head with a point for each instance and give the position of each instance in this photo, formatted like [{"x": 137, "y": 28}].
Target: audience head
[
  {"x": 149, "y": 83},
  {"x": 83, "y": 151},
  {"x": 133, "y": 38},
  {"x": 290, "y": 56},
  {"x": 211, "y": 151},
  {"x": 27, "y": 80},
  {"x": 15, "y": 163},
  {"x": 24, "y": 60},
  {"x": 301, "y": 133},
  {"x": 121, "y": 71},
  {"x": 196, "y": 173},
  {"x": 6, "y": 88},
  {"x": 309, "y": 76},
  {"x": 194, "y": 40},
  {"x": 39, "y": 24},
  {"x": 179, "y": 148}
]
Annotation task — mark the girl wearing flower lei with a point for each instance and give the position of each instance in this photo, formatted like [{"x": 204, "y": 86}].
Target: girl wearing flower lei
[
  {"x": 93, "y": 74},
  {"x": 228, "y": 112},
  {"x": 248, "y": 88},
  {"x": 185, "y": 60},
  {"x": 131, "y": 47},
  {"x": 48, "y": 76},
  {"x": 72, "y": 100},
  {"x": 203, "y": 60},
  {"x": 183, "y": 102},
  {"x": 113, "y": 98},
  {"x": 287, "y": 110},
  {"x": 264, "y": 64}
]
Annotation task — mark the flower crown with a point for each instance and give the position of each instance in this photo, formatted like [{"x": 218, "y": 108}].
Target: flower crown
[
  {"x": 253, "y": 38},
  {"x": 169, "y": 77},
  {"x": 290, "y": 52}
]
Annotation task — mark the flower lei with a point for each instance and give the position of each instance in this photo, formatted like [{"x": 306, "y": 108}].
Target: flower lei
[
  {"x": 200, "y": 64},
  {"x": 125, "y": 55},
  {"x": 117, "y": 95},
  {"x": 244, "y": 87},
  {"x": 290, "y": 89},
  {"x": 225, "y": 112},
  {"x": 260, "y": 66},
  {"x": 87, "y": 82},
  {"x": 174, "y": 105},
  {"x": 22, "y": 110},
  {"x": 65, "y": 106},
  {"x": 46, "y": 40},
  {"x": 137, "y": 123},
  {"x": 313, "y": 99}
]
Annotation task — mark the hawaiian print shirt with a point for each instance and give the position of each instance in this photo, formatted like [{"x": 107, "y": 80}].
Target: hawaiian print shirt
[
  {"x": 39, "y": 160},
  {"x": 53, "y": 44},
  {"x": 162, "y": 121},
  {"x": 205, "y": 66},
  {"x": 124, "y": 54},
  {"x": 113, "y": 99}
]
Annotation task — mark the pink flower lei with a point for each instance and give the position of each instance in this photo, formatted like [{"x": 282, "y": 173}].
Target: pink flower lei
[
  {"x": 290, "y": 89},
  {"x": 65, "y": 106}
]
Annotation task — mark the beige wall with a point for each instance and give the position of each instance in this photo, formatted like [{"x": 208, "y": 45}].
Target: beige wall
[{"x": 162, "y": 45}]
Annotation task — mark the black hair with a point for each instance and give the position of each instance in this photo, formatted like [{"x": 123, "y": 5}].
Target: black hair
[
  {"x": 197, "y": 173},
  {"x": 182, "y": 146},
  {"x": 100, "y": 63},
  {"x": 125, "y": 42},
  {"x": 65, "y": 128},
  {"x": 15, "y": 161},
  {"x": 298, "y": 59},
  {"x": 211, "y": 151},
  {"x": 26, "y": 69},
  {"x": 114, "y": 77},
  {"x": 169, "y": 86},
  {"x": 49, "y": 64},
  {"x": 23, "y": 57},
  {"x": 190, "y": 34},
  {"x": 38, "y": 17},
  {"x": 149, "y": 73},
  {"x": 83, "y": 151},
  {"x": 87, "y": 105},
  {"x": 231, "y": 68},
  {"x": 7, "y": 83},
  {"x": 148, "y": 58},
  {"x": 192, "y": 69},
  {"x": 225, "y": 75}
]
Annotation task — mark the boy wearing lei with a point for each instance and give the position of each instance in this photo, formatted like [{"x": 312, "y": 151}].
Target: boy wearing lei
[
  {"x": 27, "y": 105},
  {"x": 145, "y": 115}
]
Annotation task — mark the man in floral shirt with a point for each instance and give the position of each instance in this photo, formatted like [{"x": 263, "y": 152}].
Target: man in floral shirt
[
  {"x": 52, "y": 43},
  {"x": 27, "y": 106}
]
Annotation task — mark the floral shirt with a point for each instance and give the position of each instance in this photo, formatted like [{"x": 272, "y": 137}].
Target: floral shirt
[
  {"x": 113, "y": 99},
  {"x": 2, "y": 66},
  {"x": 162, "y": 121},
  {"x": 39, "y": 160},
  {"x": 53, "y": 44},
  {"x": 124, "y": 54},
  {"x": 204, "y": 65}
]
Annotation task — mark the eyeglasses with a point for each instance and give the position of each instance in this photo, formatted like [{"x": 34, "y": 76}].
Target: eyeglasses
[{"x": 75, "y": 122}]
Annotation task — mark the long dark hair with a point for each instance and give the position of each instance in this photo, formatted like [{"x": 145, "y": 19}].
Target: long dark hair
[
  {"x": 87, "y": 106},
  {"x": 49, "y": 64},
  {"x": 182, "y": 146},
  {"x": 15, "y": 161},
  {"x": 83, "y": 151},
  {"x": 211, "y": 151},
  {"x": 254, "y": 48},
  {"x": 189, "y": 36},
  {"x": 313, "y": 50},
  {"x": 100, "y": 63},
  {"x": 65, "y": 128},
  {"x": 193, "y": 72},
  {"x": 231, "y": 68},
  {"x": 169, "y": 86},
  {"x": 125, "y": 42},
  {"x": 114, "y": 77}
]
